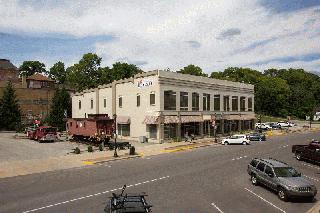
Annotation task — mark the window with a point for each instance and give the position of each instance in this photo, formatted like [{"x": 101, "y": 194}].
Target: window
[
  {"x": 104, "y": 103},
  {"x": 226, "y": 106},
  {"x": 234, "y": 103},
  {"x": 79, "y": 104},
  {"x": 254, "y": 163},
  {"x": 169, "y": 100},
  {"x": 153, "y": 131},
  {"x": 249, "y": 104},
  {"x": 91, "y": 103},
  {"x": 268, "y": 170},
  {"x": 242, "y": 104},
  {"x": 195, "y": 101},
  {"x": 184, "y": 101},
  {"x": 84, "y": 124},
  {"x": 206, "y": 102},
  {"x": 120, "y": 101},
  {"x": 138, "y": 100},
  {"x": 152, "y": 99},
  {"x": 124, "y": 129},
  {"x": 261, "y": 166},
  {"x": 217, "y": 102}
]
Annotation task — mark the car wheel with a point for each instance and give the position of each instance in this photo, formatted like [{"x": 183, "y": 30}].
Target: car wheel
[
  {"x": 298, "y": 156},
  {"x": 260, "y": 139},
  {"x": 282, "y": 194},
  {"x": 254, "y": 180},
  {"x": 244, "y": 143},
  {"x": 226, "y": 143}
]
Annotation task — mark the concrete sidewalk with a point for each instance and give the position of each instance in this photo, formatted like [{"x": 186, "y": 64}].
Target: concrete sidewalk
[{"x": 24, "y": 167}]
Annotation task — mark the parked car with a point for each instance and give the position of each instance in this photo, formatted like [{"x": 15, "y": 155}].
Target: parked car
[
  {"x": 236, "y": 139},
  {"x": 284, "y": 124},
  {"x": 274, "y": 125},
  {"x": 256, "y": 136},
  {"x": 307, "y": 152},
  {"x": 280, "y": 177},
  {"x": 262, "y": 126}
]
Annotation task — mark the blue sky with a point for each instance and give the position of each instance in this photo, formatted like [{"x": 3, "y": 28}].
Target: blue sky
[{"x": 171, "y": 34}]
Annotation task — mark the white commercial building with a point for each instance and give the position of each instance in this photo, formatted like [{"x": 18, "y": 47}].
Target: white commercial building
[{"x": 162, "y": 105}]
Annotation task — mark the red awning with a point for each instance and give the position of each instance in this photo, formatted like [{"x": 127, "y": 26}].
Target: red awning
[
  {"x": 123, "y": 119},
  {"x": 151, "y": 119},
  {"x": 192, "y": 118},
  {"x": 171, "y": 119}
]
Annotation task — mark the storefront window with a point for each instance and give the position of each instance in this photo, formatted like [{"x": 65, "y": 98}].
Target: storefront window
[
  {"x": 170, "y": 131},
  {"x": 169, "y": 100},
  {"x": 195, "y": 101},
  {"x": 183, "y": 101},
  {"x": 153, "y": 131},
  {"x": 124, "y": 129},
  {"x": 234, "y": 103},
  {"x": 206, "y": 102},
  {"x": 217, "y": 102}
]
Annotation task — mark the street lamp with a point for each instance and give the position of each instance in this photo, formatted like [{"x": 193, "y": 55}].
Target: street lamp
[
  {"x": 115, "y": 154},
  {"x": 215, "y": 128}
]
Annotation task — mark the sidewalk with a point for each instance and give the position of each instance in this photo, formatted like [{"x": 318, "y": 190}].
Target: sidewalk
[{"x": 24, "y": 167}]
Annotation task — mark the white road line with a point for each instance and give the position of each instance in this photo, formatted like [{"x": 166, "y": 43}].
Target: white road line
[
  {"x": 233, "y": 159},
  {"x": 148, "y": 158},
  {"x": 215, "y": 206},
  {"x": 312, "y": 178},
  {"x": 315, "y": 167},
  {"x": 265, "y": 200},
  {"x": 92, "y": 195}
]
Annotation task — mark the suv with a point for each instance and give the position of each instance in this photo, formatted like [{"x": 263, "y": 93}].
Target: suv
[{"x": 280, "y": 177}]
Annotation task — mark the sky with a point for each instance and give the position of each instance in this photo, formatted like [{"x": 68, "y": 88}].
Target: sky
[{"x": 154, "y": 34}]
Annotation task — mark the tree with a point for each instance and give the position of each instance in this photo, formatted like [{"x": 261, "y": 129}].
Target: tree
[
  {"x": 29, "y": 68},
  {"x": 58, "y": 73},
  {"x": 10, "y": 115},
  {"x": 192, "y": 70},
  {"x": 61, "y": 103},
  {"x": 123, "y": 70},
  {"x": 238, "y": 74}
]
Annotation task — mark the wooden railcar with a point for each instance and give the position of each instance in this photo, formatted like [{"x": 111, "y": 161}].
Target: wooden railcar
[{"x": 96, "y": 128}]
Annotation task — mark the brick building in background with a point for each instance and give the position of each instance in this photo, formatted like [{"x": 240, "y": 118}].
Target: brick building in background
[{"x": 34, "y": 93}]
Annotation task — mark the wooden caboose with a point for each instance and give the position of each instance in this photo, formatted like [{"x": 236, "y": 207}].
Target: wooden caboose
[{"x": 96, "y": 128}]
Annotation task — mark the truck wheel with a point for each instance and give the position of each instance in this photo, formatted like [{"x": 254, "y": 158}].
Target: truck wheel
[
  {"x": 282, "y": 194},
  {"x": 254, "y": 180},
  {"x": 298, "y": 156}
]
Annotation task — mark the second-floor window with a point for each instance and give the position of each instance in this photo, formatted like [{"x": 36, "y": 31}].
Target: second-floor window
[
  {"x": 206, "y": 102},
  {"x": 120, "y": 102},
  {"x": 104, "y": 102},
  {"x": 234, "y": 103},
  {"x": 91, "y": 102},
  {"x": 183, "y": 101},
  {"x": 152, "y": 98},
  {"x": 169, "y": 100},
  {"x": 249, "y": 104},
  {"x": 195, "y": 101},
  {"x": 79, "y": 104},
  {"x": 242, "y": 104},
  {"x": 226, "y": 106},
  {"x": 217, "y": 102},
  {"x": 138, "y": 100}
]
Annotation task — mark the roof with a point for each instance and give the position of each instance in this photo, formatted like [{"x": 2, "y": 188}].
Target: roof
[
  {"x": 6, "y": 64},
  {"x": 38, "y": 77},
  {"x": 274, "y": 162}
]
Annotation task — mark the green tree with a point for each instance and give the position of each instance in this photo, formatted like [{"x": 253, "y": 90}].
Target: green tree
[
  {"x": 58, "y": 73},
  {"x": 192, "y": 70},
  {"x": 123, "y": 70},
  {"x": 61, "y": 103},
  {"x": 10, "y": 115},
  {"x": 238, "y": 74},
  {"x": 29, "y": 68}
]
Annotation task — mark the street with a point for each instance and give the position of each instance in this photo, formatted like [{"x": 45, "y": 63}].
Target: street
[{"x": 208, "y": 179}]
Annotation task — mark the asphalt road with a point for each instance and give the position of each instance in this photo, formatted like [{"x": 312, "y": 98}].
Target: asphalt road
[{"x": 210, "y": 179}]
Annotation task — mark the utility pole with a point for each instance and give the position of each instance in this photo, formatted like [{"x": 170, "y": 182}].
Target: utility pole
[
  {"x": 215, "y": 128},
  {"x": 115, "y": 154}
]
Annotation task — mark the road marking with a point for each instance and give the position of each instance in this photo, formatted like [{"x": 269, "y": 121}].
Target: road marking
[
  {"x": 315, "y": 167},
  {"x": 217, "y": 207},
  {"x": 92, "y": 195},
  {"x": 238, "y": 158},
  {"x": 265, "y": 200},
  {"x": 148, "y": 158},
  {"x": 311, "y": 178}
]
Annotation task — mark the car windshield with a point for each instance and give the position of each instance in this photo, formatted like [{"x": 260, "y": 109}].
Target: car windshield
[{"x": 286, "y": 172}]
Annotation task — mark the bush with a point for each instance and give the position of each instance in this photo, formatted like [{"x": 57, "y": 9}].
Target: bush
[
  {"x": 101, "y": 147},
  {"x": 77, "y": 150},
  {"x": 90, "y": 149}
]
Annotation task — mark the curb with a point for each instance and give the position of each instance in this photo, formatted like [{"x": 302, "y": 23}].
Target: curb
[
  {"x": 315, "y": 208},
  {"x": 112, "y": 159}
]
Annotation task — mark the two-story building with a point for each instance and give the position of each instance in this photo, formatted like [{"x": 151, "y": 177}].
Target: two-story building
[{"x": 164, "y": 105}]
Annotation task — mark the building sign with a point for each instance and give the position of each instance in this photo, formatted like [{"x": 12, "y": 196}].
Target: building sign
[{"x": 145, "y": 83}]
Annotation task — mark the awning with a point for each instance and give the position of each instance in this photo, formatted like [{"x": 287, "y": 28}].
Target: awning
[
  {"x": 192, "y": 118},
  {"x": 239, "y": 117},
  {"x": 123, "y": 120},
  {"x": 207, "y": 118},
  {"x": 171, "y": 119},
  {"x": 151, "y": 119}
]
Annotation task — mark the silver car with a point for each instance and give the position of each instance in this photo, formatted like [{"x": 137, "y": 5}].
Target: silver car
[{"x": 280, "y": 177}]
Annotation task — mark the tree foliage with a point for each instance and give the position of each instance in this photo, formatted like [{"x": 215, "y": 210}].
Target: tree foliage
[
  {"x": 29, "y": 68},
  {"x": 192, "y": 70},
  {"x": 10, "y": 115},
  {"x": 61, "y": 103},
  {"x": 58, "y": 72}
]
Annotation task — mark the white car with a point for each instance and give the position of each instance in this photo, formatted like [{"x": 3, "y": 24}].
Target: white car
[
  {"x": 236, "y": 139},
  {"x": 284, "y": 124},
  {"x": 263, "y": 126}
]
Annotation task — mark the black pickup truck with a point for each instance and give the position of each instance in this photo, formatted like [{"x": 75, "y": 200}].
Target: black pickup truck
[{"x": 307, "y": 152}]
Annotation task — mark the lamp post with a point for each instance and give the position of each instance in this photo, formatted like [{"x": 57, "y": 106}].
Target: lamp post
[
  {"x": 215, "y": 128},
  {"x": 115, "y": 154}
]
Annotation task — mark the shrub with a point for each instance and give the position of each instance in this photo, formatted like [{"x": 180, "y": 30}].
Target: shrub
[
  {"x": 77, "y": 150},
  {"x": 90, "y": 149},
  {"x": 101, "y": 147}
]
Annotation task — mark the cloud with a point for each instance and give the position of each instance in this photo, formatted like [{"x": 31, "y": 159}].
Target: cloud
[
  {"x": 284, "y": 6},
  {"x": 162, "y": 34},
  {"x": 229, "y": 33}
]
